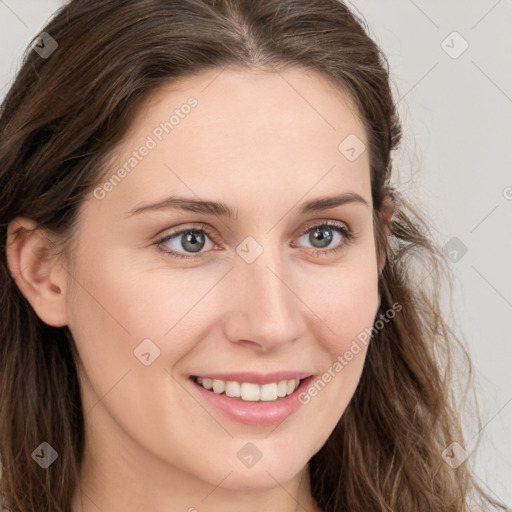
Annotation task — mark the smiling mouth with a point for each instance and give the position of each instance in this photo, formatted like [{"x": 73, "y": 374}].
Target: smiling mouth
[{"x": 249, "y": 391}]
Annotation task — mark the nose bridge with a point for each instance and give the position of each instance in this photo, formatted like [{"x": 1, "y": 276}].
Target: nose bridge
[{"x": 264, "y": 308}]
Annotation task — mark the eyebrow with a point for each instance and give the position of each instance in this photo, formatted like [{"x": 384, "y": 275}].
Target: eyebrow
[{"x": 223, "y": 210}]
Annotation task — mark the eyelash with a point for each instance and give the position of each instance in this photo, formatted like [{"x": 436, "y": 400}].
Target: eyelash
[{"x": 348, "y": 237}]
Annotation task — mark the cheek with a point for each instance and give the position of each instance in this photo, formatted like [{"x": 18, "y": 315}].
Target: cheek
[
  {"x": 346, "y": 299},
  {"x": 114, "y": 308},
  {"x": 348, "y": 308}
]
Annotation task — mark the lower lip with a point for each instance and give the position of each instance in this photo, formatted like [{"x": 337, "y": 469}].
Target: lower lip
[{"x": 260, "y": 413}]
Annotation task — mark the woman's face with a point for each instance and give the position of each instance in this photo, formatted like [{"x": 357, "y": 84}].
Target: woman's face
[{"x": 259, "y": 297}]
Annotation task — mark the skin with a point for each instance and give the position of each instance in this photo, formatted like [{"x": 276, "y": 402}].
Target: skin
[{"x": 258, "y": 145}]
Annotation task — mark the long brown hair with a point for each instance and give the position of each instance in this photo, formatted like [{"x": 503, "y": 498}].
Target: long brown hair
[{"x": 59, "y": 122}]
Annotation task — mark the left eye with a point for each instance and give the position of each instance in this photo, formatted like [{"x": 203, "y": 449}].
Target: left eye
[
  {"x": 193, "y": 239},
  {"x": 321, "y": 234},
  {"x": 190, "y": 239}
]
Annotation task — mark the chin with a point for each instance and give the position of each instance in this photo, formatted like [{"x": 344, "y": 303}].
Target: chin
[{"x": 259, "y": 477}]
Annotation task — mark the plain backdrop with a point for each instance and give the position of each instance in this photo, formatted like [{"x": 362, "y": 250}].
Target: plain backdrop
[{"x": 452, "y": 77}]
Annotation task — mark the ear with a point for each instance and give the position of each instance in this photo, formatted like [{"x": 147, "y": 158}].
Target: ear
[
  {"x": 386, "y": 213},
  {"x": 39, "y": 275}
]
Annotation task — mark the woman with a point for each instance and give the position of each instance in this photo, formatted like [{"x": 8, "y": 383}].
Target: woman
[{"x": 207, "y": 284}]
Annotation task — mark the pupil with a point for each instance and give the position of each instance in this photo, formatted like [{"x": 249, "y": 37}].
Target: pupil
[
  {"x": 324, "y": 236},
  {"x": 192, "y": 237}
]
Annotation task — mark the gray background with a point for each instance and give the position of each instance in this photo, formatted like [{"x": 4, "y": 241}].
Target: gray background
[{"x": 455, "y": 162}]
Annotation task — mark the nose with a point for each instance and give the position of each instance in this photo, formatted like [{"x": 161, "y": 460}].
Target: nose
[{"x": 262, "y": 309}]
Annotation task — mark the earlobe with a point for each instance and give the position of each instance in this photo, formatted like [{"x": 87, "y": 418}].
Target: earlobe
[{"x": 38, "y": 274}]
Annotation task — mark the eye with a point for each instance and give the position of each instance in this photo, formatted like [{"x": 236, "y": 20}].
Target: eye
[
  {"x": 193, "y": 239},
  {"x": 321, "y": 236},
  {"x": 190, "y": 239}
]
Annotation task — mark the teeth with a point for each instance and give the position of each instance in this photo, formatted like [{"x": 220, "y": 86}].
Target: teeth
[
  {"x": 249, "y": 391},
  {"x": 281, "y": 388},
  {"x": 232, "y": 388},
  {"x": 218, "y": 386}
]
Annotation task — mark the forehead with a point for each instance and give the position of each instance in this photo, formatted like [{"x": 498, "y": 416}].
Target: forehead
[{"x": 241, "y": 133}]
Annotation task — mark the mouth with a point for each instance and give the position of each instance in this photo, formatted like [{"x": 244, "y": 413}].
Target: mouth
[
  {"x": 250, "y": 398},
  {"x": 249, "y": 391}
]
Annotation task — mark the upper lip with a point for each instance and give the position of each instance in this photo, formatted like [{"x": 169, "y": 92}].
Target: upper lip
[{"x": 256, "y": 378}]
